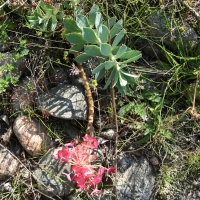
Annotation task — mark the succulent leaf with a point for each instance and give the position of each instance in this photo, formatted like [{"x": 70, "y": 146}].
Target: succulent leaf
[
  {"x": 130, "y": 54},
  {"x": 90, "y": 36},
  {"x": 99, "y": 68},
  {"x": 100, "y": 74},
  {"x": 98, "y": 20},
  {"x": 118, "y": 38},
  {"x": 121, "y": 51},
  {"x": 105, "y": 49},
  {"x": 116, "y": 28},
  {"x": 70, "y": 25},
  {"x": 75, "y": 38},
  {"x": 92, "y": 15},
  {"x": 103, "y": 33},
  {"x": 82, "y": 21},
  {"x": 112, "y": 75},
  {"x": 92, "y": 50},
  {"x": 82, "y": 58},
  {"x": 76, "y": 48},
  {"x": 109, "y": 64}
]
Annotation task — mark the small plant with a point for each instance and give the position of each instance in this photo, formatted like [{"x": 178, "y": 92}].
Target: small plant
[
  {"x": 99, "y": 38},
  {"x": 86, "y": 173}
]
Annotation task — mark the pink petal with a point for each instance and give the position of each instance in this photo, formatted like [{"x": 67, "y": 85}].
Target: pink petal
[
  {"x": 95, "y": 191},
  {"x": 90, "y": 142},
  {"x": 110, "y": 170},
  {"x": 67, "y": 175},
  {"x": 101, "y": 170}
]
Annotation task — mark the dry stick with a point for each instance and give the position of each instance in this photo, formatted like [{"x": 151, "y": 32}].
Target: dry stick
[
  {"x": 90, "y": 128},
  {"x": 193, "y": 11},
  {"x": 114, "y": 112}
]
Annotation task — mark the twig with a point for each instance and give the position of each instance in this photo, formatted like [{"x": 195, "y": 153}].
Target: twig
[
  {"x": 193, "y": 11},
  {"x": 7, "y": 2},
  {"x": 114, "y": 113}
]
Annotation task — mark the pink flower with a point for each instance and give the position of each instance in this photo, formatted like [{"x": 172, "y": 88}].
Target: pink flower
[
  {"x": 90, "y": 142},
  {"x": 98, "y": 178},
  {"x": 63, "y": 155},
  {"x": 80, "y": 180},
  {"x": 110, "y": 170},
  {"x": 67, "y": 175}
]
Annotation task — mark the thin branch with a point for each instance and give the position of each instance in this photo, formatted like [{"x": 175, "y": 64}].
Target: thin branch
[
  {"x": 193, "y": 11},
  {"x": 7, "y": 2}
]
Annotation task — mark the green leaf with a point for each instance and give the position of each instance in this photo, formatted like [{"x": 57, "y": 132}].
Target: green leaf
[
  {"x": 125, "y": 110},
  {"x": 82, "y": 58},
  {"x": 53, "y": 23},
  {"x": 115, "y": 50},
  {"x": 130, "y": 54},
  {"x": 109, "y": 64},
  {"x": 98, "y": 20},
  {"x": 105, "y": 49},
  {"x": 34, "y": 22},
  {"x": 121, "y": 51},
  {"x": 76, "y": 48},
  {"x": 116, "y": 28},
  {"x": 118, "y": 38},
  {"x": 112, "y": 75},
  {"x": 112, "y": 21},
  {"x": 128, "y": 74},
  {"x": 70, "y": 25},
  {"x": 144, "y": 139},
  {"x": 132, "y": 59},
  {"x": 60, "y": 15},
  {"x": 98, "y": 68},
  {"x": 116, "y": 78},
  {"x": 92, "y": 50},
  {"x": 122, "y": 80},
  {"x": 100, "y": 74},
  {"x": 92, "y": 14},
  {"x": 90, "y": 36},
  {"x": 82, "y": 21},
  {"x": 131, "y": 80},
  {"x": 75, "y": 38},
  {"x": 103, "y": 33}
]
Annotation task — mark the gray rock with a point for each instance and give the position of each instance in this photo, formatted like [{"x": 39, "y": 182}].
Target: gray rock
[
  {"x": 9, "y": 165},
  {"x": 135, "y": 178},
  {"x": 179, "y": 33},
  {"x": 49, "y": 176},
  {"x": 64, "y": 101}
]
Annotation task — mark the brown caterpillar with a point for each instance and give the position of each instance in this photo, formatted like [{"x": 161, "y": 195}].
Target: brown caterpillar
[{"x": 90, "y": 128}]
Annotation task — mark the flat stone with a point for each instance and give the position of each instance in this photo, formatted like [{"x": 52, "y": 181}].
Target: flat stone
[
  {"x": 64, "y": 101},
  {"x": 135, "y": 178},
  {"x": 185, "y": 36},
  {"x": 49, "y": 176},
  {"x": 9, "y": 165}
]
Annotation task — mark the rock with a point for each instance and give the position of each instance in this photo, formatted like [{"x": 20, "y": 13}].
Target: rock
[
  {"x": 9, "y": 165},
  {"x": 135, "y": 178},
  {"x": 23, "y": 95},
  {"x": 32, "y": 135},
  {"x": 182, "y": 34},
  {"x": 108, "y": 134},
  {"x": 49, "y": 176},
  {"x": 58, "y": 75},
  {"x": 64, "y": 101}
]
